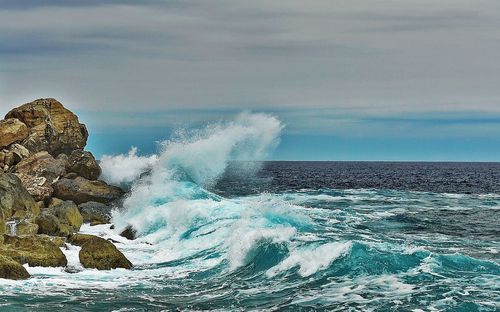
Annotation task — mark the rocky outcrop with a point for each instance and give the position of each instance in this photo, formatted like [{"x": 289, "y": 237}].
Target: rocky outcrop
[
  {"x": 81, "y": 190},
  {"x": 44, "y": 171},
  {"x": 35, "y": 250},
  {"x": 11, "y": 269},
  {"x": 52, "y": 127},
  {"x": 60, "y": 220},
  {"x": 98, "y": 253},
  {"x": 15, "y": 201},
  {"x": 95, "y": 213},
  {"x": 11, "y": 131},
  {"x": 84, "y": 164}
]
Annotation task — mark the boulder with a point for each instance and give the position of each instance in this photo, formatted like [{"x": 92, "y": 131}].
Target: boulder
[
  {"x": 98, "y": 253},
  {"x": 20, "y": 150},
  {"x": 81, "y": 190},
  {"x": 10, "y": 269},
  {"x": 129, "y": 233},
  {"x": 38, "y": 187},
  {"x": 52, "y": 127},
  {"x": 84, "y": 164},
  {"x": 15, "y": 201},
  {"x": 35, "y": 250},
  {"x": 60, "y": 220},
  {"x": 42, "y": 164},
  {"x": 95, "y": 213},
  {"x": 12, "y": 130}
]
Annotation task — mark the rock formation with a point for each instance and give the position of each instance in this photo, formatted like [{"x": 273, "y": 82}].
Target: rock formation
[
  {"x": 52, "y": 127},
  {"x": 44, "y": 174}
]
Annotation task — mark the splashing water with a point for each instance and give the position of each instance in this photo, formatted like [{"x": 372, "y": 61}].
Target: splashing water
[{"x": 304, "y": 249}]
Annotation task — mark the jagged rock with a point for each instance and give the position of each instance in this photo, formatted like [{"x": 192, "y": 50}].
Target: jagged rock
[
  {"x": 10, "y": 269},
  {"x": 20, "y": 150},
  {"x": 129, "y": 233},
  {"x": 38, "y": 187},
  {"x": 98, "y": 253},
  {"x": 15, "y": 201},
  {"x": 42, "y": 164},
  {"x": 61, "y": 220},
  {"x": 95, "y": 213},
  {"x": 12, "y": 130},
  {"x": 36, "y": 250},
  {"x": 81, "y": 190},
  {"x": 52, "y": 127},
  {"x": 84, "y": 164}
]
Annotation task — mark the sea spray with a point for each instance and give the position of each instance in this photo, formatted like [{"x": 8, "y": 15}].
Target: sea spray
[
  {"x": 172, "y": 206},
  {"x": 121, "y": 169}
]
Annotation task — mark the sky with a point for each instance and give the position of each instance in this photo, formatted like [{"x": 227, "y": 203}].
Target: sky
[{"x": 351, "y": 80}]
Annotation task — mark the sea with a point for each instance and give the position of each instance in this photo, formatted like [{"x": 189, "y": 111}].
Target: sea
[{"x": 219, "y": 232}]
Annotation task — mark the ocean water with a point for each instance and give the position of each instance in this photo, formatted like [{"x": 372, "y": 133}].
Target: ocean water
[{"x": 218, "y": 232}]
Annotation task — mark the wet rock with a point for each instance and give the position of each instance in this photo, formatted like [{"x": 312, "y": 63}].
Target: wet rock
[
  {"x": 36, "y": 250},
  {"x": 60, "y": 220},
  {"x": 52, "y": 127},
  {"x": 84, "y": 164},
  {"x": 15, "y": 201},
  {"x": 81, "y": 190},
  {"x": 98, "y": 253},
  {"x": 129, "y": 233},
  {"x": 95, "y": 213},
  {"x": 10, "y": 269},
  {"x": 12, "y": 130}
]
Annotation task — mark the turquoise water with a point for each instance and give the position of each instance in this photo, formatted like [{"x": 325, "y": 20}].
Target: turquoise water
[
  {"x": 269, "y": 244},
  {"x": 306, "y": 250}
]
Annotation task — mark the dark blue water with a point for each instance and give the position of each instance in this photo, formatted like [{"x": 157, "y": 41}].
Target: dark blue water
[{"x": 297, "y": 236}]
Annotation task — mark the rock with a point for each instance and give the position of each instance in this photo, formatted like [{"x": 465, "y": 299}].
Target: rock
[
  {"x": 98, "y": 253},
  {"x": 36, "y": 250},
  {"x": 95, "y": 213},
  {"x": 42, "y": 164},
  {"x": 81, "y": 190},
  {"x": 26, "y": 228},
  {"x": 20, "y": 150},
  {"x": 15, "y": 201},
  {"x": 12, "y": 130},
  {"x": 54, "y": 201},
  {"x": 52, "y": 127},
  {"x": 84, "y": 164},
  {"x": 36, "y": 186},
  {"x": 129, "y": 233},
  {"x": 10, "y": 269},
  {"x": 61, "y": 220}
]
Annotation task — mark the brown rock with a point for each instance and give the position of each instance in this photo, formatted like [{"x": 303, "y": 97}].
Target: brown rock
[
  {"x": 12, "y": 130},
  {"x": 26, "y": 228},
  {"x": 81, "y": 190},
  {"x": 42, "y": 164},
  {"x": 52, "y": 127},
  {"x": 84, "y": 164}
]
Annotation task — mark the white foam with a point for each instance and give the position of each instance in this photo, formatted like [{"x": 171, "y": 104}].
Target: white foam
[
  {"x": 310, "y": 260},
  {"x": 117, "y": 169}
]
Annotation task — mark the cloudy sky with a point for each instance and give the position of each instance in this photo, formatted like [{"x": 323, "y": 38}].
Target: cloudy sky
[{"x": 361, "y": 80}]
